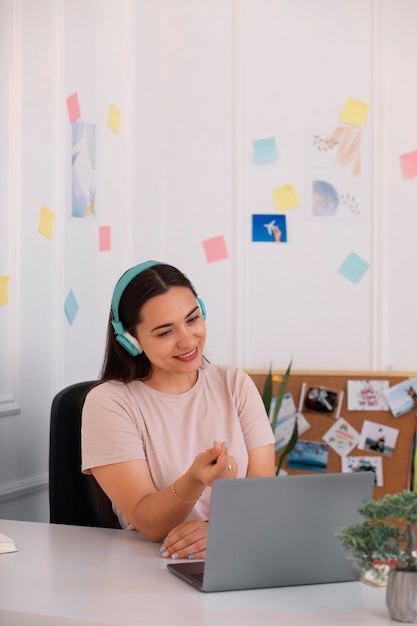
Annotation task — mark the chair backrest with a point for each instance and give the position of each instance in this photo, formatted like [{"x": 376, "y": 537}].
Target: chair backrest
[{"x": 74, "y": 497}]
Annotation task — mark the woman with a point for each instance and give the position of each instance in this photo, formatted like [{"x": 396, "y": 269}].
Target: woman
[{"x": 164, "y": 424}]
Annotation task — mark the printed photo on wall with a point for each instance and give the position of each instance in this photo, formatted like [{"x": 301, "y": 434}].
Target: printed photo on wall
[
  {"x": 285, "y": 427},
  {"x": 269, "y": 227},
  {"x": 338, "y": 180},
  {"x": 83, "y": 169},
  {"x": 356, "y": 464},
  {"x": 308, "y": 455},
  {"x": 378, "y": 438},
  {"x": 321, "y": 400},
  {"x": 286, "y": 420},
  {"x": 367, "y": 395},
  {"x": 342, "y": 437},
  {"x": 286, "y": 409},
  {"x": 402, "y": 397}
]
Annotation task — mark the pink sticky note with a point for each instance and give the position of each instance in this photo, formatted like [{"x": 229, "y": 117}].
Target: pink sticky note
[
  {"x": 215, "y": 249},
  {"x": 409, "y": 164},
  {"x": 73, "y": 106},
  {"x": 104, "y": 233}
]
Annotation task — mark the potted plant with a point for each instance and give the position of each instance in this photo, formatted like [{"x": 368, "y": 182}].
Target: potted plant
[
  {"x": 385, "y": 541},
  {"x": 267, "y": 395}
]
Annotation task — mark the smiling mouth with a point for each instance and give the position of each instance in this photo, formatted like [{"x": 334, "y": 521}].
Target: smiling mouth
[{"x": 188, "y": 356}]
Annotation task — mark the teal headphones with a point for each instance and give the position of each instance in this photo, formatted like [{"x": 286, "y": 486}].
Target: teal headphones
[{"x": 125, "y": 339}]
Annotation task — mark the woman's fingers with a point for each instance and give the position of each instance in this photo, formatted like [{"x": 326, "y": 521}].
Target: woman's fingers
[{"x": 186, "y": 541}]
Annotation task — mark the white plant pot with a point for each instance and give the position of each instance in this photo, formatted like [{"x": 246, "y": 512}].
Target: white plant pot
[{"x": 401, "y": 596}]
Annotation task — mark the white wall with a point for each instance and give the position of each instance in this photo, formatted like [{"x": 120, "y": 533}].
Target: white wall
[
  {"x": 196, "y": 82},
  {"x": 395, "y": 197}
]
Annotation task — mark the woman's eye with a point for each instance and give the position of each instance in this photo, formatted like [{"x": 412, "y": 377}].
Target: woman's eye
[
  {"x": 166, "y": 332},
  {"x": 193, "y": 319}
]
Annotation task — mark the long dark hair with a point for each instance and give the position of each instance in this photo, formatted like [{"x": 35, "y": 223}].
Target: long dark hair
[{"x": 155, "y": 281}]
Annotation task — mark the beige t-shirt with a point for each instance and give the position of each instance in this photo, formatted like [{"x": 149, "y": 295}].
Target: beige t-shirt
[{"x": 125, "y": 422}]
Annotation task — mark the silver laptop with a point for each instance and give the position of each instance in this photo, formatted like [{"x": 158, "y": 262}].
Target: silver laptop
[{"x": 275, "y": 532}]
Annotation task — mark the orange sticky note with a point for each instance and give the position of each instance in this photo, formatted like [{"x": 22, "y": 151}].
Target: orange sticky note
[
  {"x": 46, "y": 222},
  {"x": 285, "y": 197},
  {"x": 215, "y": 249},
  {"x": 354, "y": 112},
  {"x": 409, "y": 164},
  {"x": 113, "y": 119},
  {"x": 104, "y": 234},
  {"x": 73, "y": 107},
  {"x": 4, "y": 289}
]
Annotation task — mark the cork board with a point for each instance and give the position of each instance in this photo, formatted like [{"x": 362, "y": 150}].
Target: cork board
[{"x": 396, "y": 468}]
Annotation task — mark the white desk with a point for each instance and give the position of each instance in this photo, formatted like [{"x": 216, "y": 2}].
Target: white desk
[{"x": 68, "y": 575}]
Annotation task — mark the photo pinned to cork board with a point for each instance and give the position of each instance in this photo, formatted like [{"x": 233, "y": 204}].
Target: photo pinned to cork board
[
  {"x": 378, "y": 438},
  {"x": 309, "y": 455},
  {"x": 367, "y": 395},
  {"x": 342, "y": 437},
  {"x": 317, "y": 399},
  {"x": 402, "y": 398},
  {"x": 287, "y": 415},
  {"x": 357, "y": 464}
]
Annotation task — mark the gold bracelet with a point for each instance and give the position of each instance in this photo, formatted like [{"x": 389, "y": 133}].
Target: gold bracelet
[{"x": 174, "y": 492}]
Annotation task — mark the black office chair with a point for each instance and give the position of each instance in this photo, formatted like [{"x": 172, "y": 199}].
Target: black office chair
[{"x": 74, "y": 497}]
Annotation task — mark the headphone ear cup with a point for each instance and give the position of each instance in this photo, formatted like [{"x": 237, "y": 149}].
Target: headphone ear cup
[
  {"x": 129, "y": 343},
  {"x": 202, "y": 308}
]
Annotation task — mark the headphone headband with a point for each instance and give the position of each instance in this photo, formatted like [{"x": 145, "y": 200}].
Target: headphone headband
[{"x": 123, "y": 283}]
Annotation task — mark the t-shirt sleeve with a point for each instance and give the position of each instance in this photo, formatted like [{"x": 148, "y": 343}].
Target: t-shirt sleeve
[
  {"x": 111, "y": 428},
  {"x": 254, "y": 421}
]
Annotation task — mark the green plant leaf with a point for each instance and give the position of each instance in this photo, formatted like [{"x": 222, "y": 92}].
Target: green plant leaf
[
  {"x": 267, "y": 398},
  {"x": 378, "y": 540},
  {"x": 280, "y": 395},
  {"x": 267, "y": 391}
]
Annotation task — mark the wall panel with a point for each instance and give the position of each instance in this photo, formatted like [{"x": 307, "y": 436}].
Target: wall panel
[{"x": 196, "y": 83}]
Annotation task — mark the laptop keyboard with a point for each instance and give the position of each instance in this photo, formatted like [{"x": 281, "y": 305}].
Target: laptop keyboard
[{"x": 197, "y": 576}]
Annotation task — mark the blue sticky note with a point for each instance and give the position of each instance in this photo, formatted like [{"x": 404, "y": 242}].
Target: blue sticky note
[
  {"x": 71, "y": 307},
  {"x": 264, "y": 150},
  {"x": 353, "y": 268}
]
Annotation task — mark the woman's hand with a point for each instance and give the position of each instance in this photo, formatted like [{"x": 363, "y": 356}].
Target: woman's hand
[
  {"x": 213, "y": 464},
  {"x": 276, "y": 234},
  {"x": 189, "y": 540},
  {"x": 186, "y": 541}
]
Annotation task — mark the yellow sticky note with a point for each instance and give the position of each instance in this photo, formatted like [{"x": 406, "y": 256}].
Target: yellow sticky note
[
  {"x": 113, "y": 120},
  {"x": 46, "y": 222},
  {"x": 285, "y": 197},
  {"x": 4, "y": 289},
  {"x": 354, "y": 112}
]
